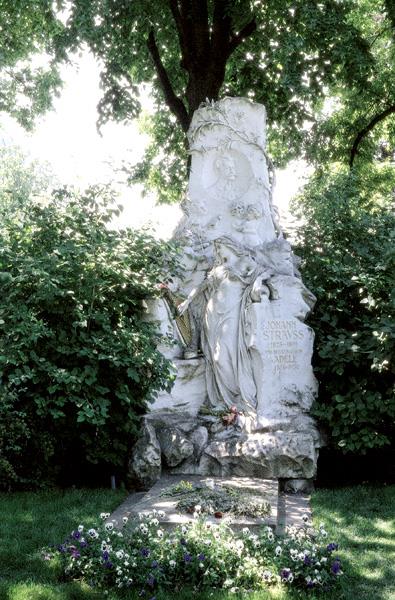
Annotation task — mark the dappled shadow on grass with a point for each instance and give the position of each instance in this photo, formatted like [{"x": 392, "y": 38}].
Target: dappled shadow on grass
[
  {"x": 362, "y": 520},
  {"x": 35, "y": 591},
  {"x": 30, "y": 522}
]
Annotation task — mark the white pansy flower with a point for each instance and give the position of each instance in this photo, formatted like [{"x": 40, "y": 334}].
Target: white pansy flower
[
  {"x": 119, "y": 554},
  {"x": 172, "y": 563},
  {"x": 155, "y": 522},
  {"x": 80, "y": 528},
  {"x": 104, "y": 515},
  {"x": 125, "y": 520},
  {"x": 159, "y": 533},
  {"x": 109, "y": 526},
  {"x": 93, "y": 533},
  {"x": 161, "y": 514},
  {"x": 278, "y": 550}
]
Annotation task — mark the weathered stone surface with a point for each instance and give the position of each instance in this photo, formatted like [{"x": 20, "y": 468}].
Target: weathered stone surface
[
  {"x": 189, "y": 391},
  {"x": 174, "y": 445},
  {"x": 237, "y": 315},
  {"x": 146, "y": 463},
  {"x": 199, "y": 439},
  {"x": 266, "y": 455},
  {"x": 298, "y": 486}
]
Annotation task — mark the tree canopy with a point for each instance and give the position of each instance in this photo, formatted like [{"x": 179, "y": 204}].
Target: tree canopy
[
  {"x": 27, "y": 29},
  {"x": 288, "y": 55},
  {"x": 283, "y": 54}
]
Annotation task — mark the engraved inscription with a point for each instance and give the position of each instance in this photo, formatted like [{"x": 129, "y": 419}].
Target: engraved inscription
[{"x": 283, "y": 338}]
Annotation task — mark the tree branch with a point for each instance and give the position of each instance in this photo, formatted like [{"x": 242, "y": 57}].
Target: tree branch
[
  {"x": 221, "y": 29},
  {"x": 172, "y": 100},
  {"x": 244, "y": 33},
  {"x": 199, "y": 14},
  {"x": 363, "y": 133},
  {"x": 181, "y": 26}
]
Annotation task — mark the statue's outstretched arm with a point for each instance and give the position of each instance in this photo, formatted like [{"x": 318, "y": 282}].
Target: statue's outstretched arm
[{"x": 191, "y": 296}]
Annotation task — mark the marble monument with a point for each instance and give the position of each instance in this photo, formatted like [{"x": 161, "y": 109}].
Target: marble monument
[{"x": 244, "y": 382}]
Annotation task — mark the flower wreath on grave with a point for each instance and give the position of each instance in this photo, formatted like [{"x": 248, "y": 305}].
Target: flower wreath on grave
[{"x": 217, "y": 499}]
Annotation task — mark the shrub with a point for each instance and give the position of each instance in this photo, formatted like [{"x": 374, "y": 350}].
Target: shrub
[
  {"x": 346, "y": 241},
  {"x": 79, "y": 362}
]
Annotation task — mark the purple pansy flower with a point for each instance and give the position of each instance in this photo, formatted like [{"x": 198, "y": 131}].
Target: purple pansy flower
[
  {"x": 145, "y": 552},
  {"x": 285, "y": 573},
  {"x": 336, "y": 566},
  {"x": 187, "y": 557}
]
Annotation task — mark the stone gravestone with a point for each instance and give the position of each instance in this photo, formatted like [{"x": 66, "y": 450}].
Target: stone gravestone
[{"x": 244, "y": 385}]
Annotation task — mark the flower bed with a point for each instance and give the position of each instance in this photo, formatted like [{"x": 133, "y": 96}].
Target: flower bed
[{"x": 144, "y": 557}]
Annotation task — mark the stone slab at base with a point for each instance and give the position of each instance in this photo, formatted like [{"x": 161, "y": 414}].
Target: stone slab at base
[{"x": 153, "y": 499}]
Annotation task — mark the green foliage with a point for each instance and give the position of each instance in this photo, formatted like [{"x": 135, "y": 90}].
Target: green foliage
[
  {"x": 27, "y": 79},
  {"x": 78, "y": 361},
  {"x": 201, "y": 555},
  {"x": 21, "y": 179},
  {"x": 297, "y": 51},
  {"x": 353, "y": 109},
  {"x": 346, "y": 241},
  {"x": 196, "y": 498}
]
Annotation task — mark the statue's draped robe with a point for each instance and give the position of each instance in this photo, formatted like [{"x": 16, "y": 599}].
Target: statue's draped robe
[{"x": 225, "y": 336}]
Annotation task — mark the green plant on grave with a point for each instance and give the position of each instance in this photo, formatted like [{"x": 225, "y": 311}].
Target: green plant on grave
[
  {"x": 219, "y": 499},
  {"x": 78, "y": 360},
  {"x": 180, "y": 488}
]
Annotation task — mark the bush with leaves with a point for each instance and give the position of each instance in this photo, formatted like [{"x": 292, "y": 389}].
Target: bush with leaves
[
  {"x": 78, "y": 362},
  {"x": 347, "y": 242}
]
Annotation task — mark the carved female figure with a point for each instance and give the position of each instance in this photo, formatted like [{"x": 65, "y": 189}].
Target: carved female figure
[{"x": 233, "y": 283}]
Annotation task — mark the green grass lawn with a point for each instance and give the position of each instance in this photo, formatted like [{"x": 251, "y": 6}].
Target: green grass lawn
[{"x": 361, "y": 519}]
